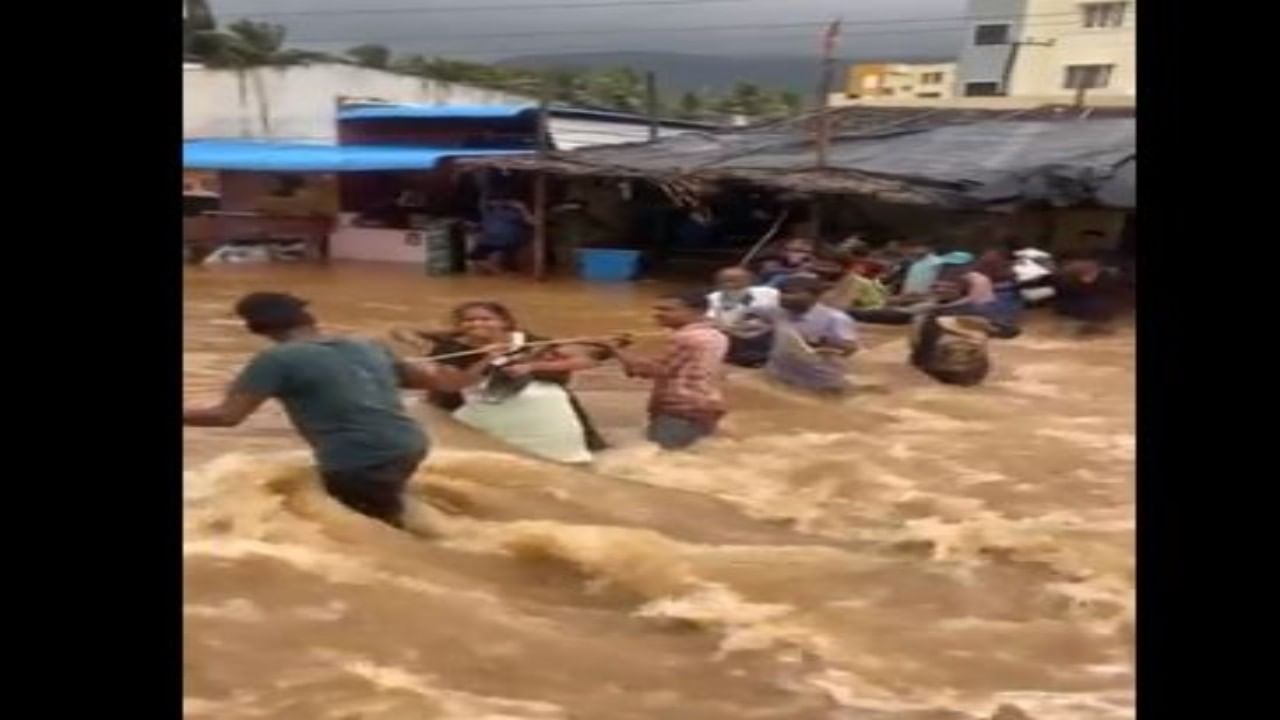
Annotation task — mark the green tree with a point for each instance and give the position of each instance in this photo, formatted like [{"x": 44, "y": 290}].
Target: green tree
[
  {"x": 792, "y": 101},
  {"x": 248, "y": 44},
  {"x": 567, "y": 86},
  {"x": 198, "y": 17},
  {"x": 692, "y": 106},
  {"x": 371, "y": 56},
  {"x": 619, "y": 88}
]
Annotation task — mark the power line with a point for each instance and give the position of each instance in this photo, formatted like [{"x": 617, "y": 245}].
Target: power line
[
  {"x": 684, "y": 29},
  {"x": 622, "y": 3},
  {"x": 479, "y": 8}
]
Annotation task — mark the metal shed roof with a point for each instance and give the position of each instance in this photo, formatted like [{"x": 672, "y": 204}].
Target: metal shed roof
[{"x": 251, "y": 155}]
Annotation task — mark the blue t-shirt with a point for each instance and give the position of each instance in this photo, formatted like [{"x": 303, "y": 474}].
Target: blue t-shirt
[
  {"x": 504, "y": 227},
  {"x": 922, "y": 274},
  {"x": 343, "y": 397}
]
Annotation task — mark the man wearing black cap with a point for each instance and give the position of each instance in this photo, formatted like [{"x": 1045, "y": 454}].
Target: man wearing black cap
[{"x": 342, "y": 395}]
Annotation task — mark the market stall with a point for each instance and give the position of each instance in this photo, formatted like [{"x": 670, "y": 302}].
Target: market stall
[{"x": 349, "y": 202}]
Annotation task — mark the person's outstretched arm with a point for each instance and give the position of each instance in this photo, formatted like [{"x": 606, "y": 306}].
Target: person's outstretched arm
[{"x": 234, "y": 408}]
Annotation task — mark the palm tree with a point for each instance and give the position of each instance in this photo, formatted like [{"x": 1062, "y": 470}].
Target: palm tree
[{"x": 248, "y": 44}]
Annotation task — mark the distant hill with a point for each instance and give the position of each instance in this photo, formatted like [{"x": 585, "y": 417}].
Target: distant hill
[{"x": 677, "y": 72}]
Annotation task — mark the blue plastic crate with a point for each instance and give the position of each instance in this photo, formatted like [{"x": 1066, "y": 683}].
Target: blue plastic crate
[{"x": 596, "y": 265}]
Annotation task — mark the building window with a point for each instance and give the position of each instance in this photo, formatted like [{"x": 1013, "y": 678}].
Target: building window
[
  {"x": 1104, "y": 15},
  {"x": 991, "y": 35},
  {"x": 1087, "y": 77},
  {"x": 934, "y": 78},
  {"x": 925, "y": 95},
  {"x": 982, "y": 89}
]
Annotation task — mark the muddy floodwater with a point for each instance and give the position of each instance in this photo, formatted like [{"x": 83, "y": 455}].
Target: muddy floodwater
[{"x": 916, "y": 552}]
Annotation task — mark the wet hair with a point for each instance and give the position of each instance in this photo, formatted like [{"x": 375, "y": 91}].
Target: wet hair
[
  {"x": 489, "y": 306},
  {"x": 802, "y": 283},
  {"x": 695, "y": 300},
  {"x": 271, "y": 313},
  {"x": 736, "y": 268}
]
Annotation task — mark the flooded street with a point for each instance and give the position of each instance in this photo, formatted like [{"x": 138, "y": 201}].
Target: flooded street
[{"x": 917, "y": 552}]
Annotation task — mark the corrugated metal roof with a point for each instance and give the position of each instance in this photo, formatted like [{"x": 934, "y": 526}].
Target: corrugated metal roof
[
  {"x": 251, "y": 155},
  {"x": 370, "y": 112},
  {"x": 411, "y": 110},
  {"x": 943, "y": 157}
]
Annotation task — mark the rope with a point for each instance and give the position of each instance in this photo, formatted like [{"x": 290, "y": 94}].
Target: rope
[{"x": 587, "y": 340}]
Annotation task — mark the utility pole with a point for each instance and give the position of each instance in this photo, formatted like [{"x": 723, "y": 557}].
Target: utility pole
[
  {"x": 823, "y": 129},
  {"x": 540, "y": 184},
  {"x": 651, "y": 103},
  {"x": 1015, "y": 48}
]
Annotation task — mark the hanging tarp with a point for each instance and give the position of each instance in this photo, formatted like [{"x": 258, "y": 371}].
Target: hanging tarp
[{"x": 960, "y": 160}]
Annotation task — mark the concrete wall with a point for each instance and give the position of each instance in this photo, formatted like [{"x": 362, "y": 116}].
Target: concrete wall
[
  {"x": 986, "y": 63},
  {"x": 1042, "y": 70},
  {"x": 300, "y": 102},
  {"x": 1053, "y": 37}
]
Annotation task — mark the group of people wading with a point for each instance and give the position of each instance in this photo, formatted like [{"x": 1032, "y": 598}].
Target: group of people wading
[{"x": 795, "y": 316}]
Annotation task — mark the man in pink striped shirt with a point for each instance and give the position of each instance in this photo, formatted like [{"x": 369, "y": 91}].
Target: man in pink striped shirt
[{"x": 686, "y": 403}]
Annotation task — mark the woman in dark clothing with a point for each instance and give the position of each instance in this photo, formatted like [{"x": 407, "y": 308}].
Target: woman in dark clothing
[
  {"x": 1084, "y": 291},
  {"x": 511, "y": 385},
  {"x": 997, "y": 265}
]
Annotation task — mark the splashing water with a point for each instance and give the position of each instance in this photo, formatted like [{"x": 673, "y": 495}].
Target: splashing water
[{"x": 917, "y": 551}]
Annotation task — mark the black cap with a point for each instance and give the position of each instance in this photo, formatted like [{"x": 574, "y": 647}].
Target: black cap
[{"x": 269, "y": 311}]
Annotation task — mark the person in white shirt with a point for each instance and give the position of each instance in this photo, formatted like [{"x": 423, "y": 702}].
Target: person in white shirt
[{"x": 749, "y": 339}]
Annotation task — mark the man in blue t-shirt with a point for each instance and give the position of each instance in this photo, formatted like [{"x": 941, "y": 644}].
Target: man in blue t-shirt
[
  {"x": 505, "y": 226},
  {"x": 341, "y": 394}
]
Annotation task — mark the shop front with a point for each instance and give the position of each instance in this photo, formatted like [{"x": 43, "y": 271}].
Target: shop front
[{"x": 351, "y": 202}]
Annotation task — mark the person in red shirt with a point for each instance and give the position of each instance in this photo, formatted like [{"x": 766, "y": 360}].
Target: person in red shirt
[{"x": 686, "y": 403}]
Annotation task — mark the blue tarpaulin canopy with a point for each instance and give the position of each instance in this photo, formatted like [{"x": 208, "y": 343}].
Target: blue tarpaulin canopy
[
  {"x": 249, "y": 155},
  {"x": 368, "y": 112}
]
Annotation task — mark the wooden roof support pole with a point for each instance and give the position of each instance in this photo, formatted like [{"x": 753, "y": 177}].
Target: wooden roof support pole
[
  {"x": 651, "y": 103},
  {"x": 539, "y": 225},
  {"x": 540, "y": 187}
]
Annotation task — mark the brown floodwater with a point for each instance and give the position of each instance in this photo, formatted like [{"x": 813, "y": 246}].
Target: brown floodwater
[{"x": 914, "y": 552}]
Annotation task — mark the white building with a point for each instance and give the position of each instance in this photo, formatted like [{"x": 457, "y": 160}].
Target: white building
[
  {"x": 1050, "y": 50},
  {"x": 900, "y": 80},
  {"x": 300, "y": 103}
]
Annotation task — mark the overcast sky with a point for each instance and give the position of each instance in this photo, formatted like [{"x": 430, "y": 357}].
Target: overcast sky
[{"x": 461, "y": 28}]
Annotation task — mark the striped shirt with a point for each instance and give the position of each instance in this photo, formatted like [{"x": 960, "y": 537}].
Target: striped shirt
[{"x": 687, "y": 376}]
